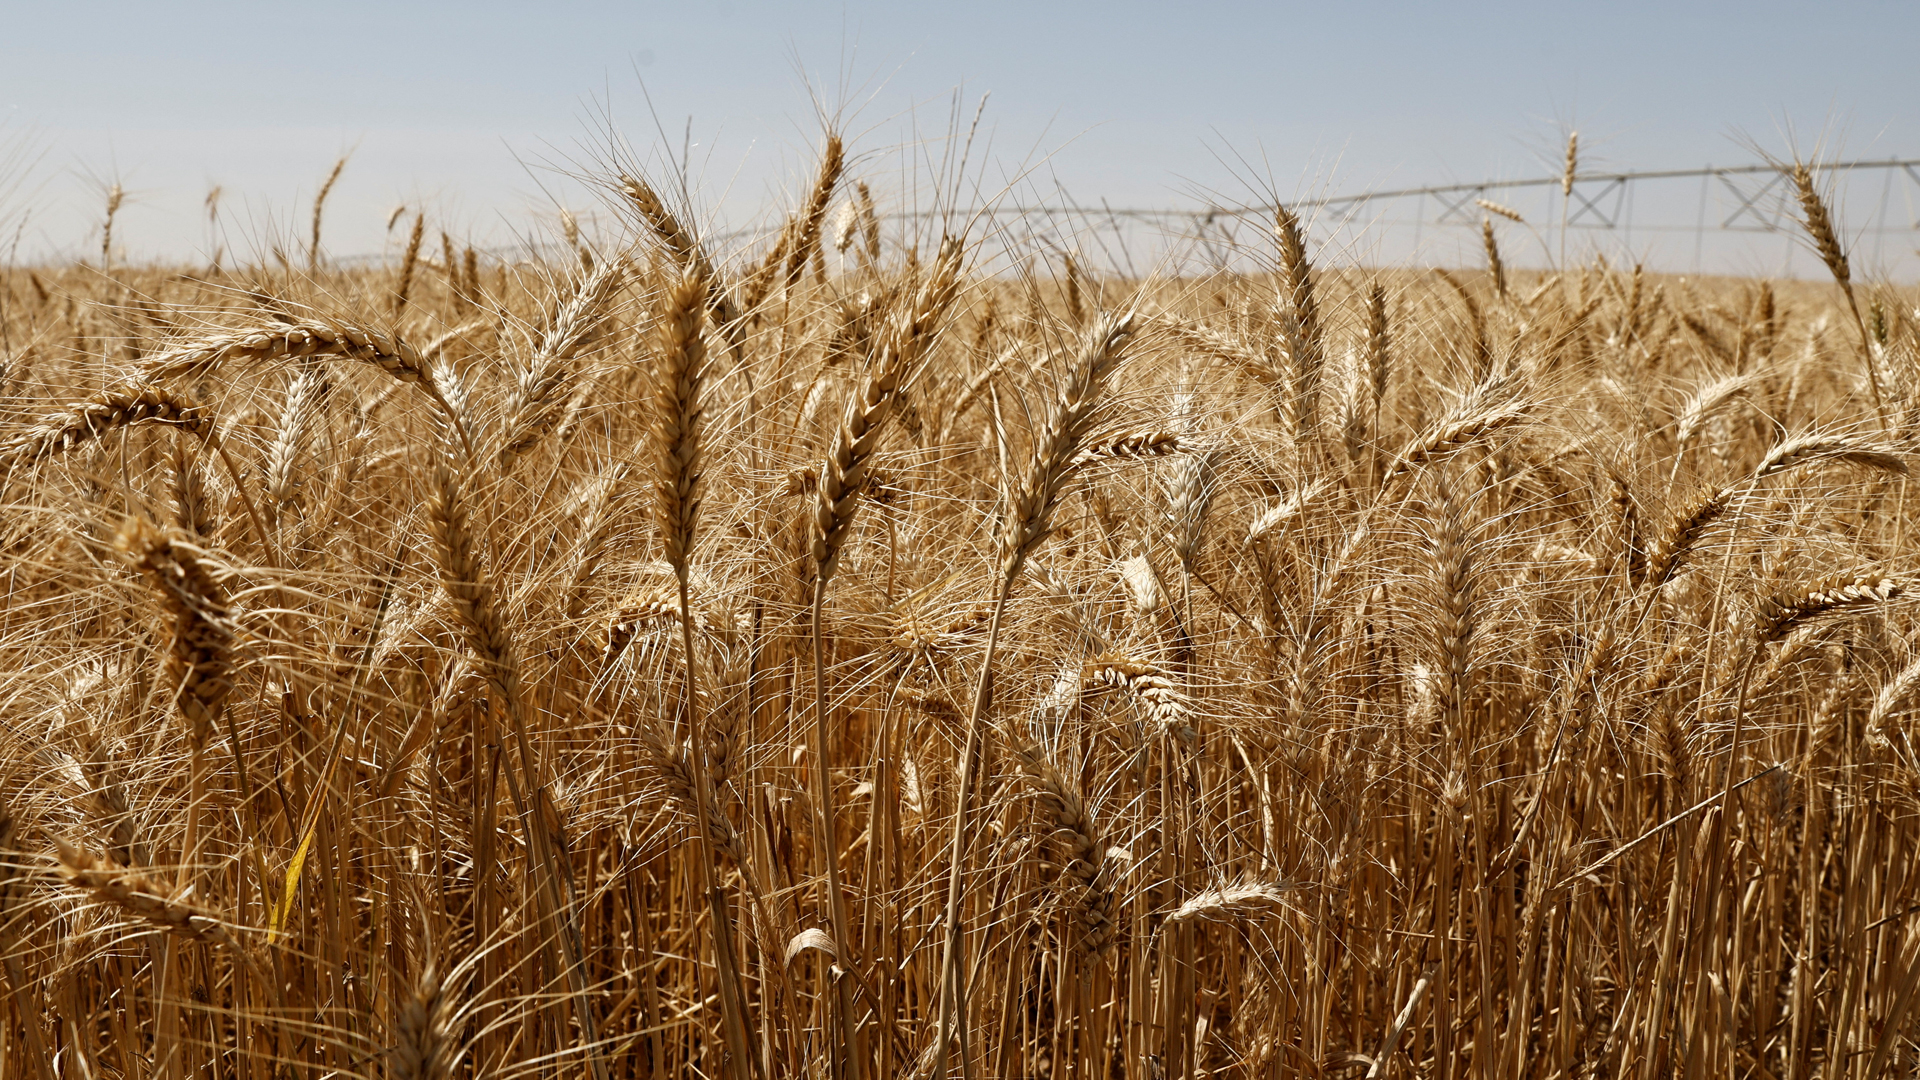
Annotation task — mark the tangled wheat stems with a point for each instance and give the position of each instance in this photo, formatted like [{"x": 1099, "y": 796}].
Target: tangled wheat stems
[{"x": 577, "y": 667}]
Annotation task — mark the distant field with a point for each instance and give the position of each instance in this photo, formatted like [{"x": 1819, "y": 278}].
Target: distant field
[{"x": 840, "y": 661}]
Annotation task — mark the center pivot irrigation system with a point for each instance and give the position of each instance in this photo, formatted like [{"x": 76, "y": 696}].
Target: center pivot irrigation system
[{"x": 1732, "y": 219}]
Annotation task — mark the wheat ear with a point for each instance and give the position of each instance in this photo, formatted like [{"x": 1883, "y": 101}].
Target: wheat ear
[
  {"x": 1683, "y": 533},
  {"x": 1703, "y": 404},
  {"x": 1297, "y": 285},
  {"x": 1029, "y": 519},
  {"x": 1225, "y": 348},
  {"x": 1826, "y": 241},
  {"x": 423, "y": 1039},
  {"x": 194, "y": 509},
  {"x": 844, "y": 474},
  {"x": 869, "y": 223},
  {"x": 1626, "y": 518},
  {"x": 133, "y": 892},
  {"x": 904, "y": 342},
  {"x": 1500, "y": 209},
  {"x": 1481, "y": 415},
  {"x": 1086, "y": 866},
  {"x": 1451, "y": 551},
  {"x": 409, "y": 262},
  {"x": 306, "y": 397},
  {"x": 683, "y": 247},
  {"x": 1808, "y": 449},
  {"x": 1495, "y": 267},
  {"x": 1151, "y": 443},
  {"x": 547, "y": 380},
  {"x": 679, "y": 365},
  {"x": 200, "y": 660},
  {"x": 1232, "y": 903},
  {"x": 1379, "y": 346},
  {"x": 462, "y": 573},
  {"x": 972, "y": 390},
  {"x": 1306, "y": 345},
  {"x": 85, "y": 421},
  {"x": 1476, "y": 321},
  {"x": 1190, "y": 491},
  {"x": 1894, "y": 700},
  {"x": 1781, "y": 615},
  {"x": 596, "y": 525},
  {"x": 807, "y": 223},
  {"x": 319, "y": 203},
  {"x": 669, "y": 762},
  {"x": 1284, "y": 511},
  {"x": 1152, "y": 688},
  {"x": 308, "y": 337}
]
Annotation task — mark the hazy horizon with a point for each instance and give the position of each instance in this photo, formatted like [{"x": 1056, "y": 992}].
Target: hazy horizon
[{"x": 477, "y": 114}]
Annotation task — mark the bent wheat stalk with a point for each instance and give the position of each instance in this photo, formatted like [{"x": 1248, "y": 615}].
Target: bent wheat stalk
[
  {"x": 1027, "y": 524},
  {"x": 841, "y": 478},
  {"x": 469, "y": 586}
]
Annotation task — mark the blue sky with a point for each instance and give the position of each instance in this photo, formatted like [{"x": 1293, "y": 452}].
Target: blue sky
[{"x": 462, "y": 107}]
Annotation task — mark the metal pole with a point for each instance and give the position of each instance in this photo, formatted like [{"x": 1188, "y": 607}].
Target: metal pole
[
  {"x": 1880, "y": 223},
  {"x": 1700, "y": 220},
  {"x": 1626, "y": 232}
]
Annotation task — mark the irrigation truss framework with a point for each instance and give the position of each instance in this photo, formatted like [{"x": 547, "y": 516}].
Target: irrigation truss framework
[{"x": 1736, "y": 219}]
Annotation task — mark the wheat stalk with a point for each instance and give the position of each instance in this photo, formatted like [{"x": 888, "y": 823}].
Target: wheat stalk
[
  {"x": 679, "y": 370},
  {"x": 469, "y": 587},
  {"x": 1027, "y": 523},
  {"x": 841, "y": 477}
]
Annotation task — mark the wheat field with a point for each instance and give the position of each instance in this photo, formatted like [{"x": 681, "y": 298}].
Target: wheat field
[{"x": 836, "y": 657}]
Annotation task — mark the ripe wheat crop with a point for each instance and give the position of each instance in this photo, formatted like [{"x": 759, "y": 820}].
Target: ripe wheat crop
[{"x": 788, "y": 662}]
